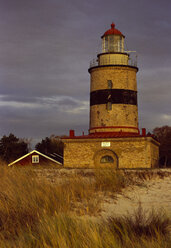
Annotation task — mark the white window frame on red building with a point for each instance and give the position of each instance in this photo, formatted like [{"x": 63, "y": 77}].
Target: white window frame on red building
[{"x": 35, "y": 159}]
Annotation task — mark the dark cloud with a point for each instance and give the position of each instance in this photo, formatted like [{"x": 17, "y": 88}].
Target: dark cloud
[{"x": 45, "y": 49}]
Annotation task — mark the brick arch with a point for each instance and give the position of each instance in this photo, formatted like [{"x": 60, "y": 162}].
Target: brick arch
[{"x": 106, "y": 152}]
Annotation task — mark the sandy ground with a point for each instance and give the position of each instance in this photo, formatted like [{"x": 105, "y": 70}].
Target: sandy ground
[{"x": 152, "y": 194}]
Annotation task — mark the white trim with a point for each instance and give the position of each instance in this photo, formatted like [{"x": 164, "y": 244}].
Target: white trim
[
  {"x": 57, "y": 155},
  {"x": 35, "y": 159},
  {"x": 30, "y": 154}
]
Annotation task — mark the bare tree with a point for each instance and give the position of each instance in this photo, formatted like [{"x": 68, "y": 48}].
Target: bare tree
[{"x": 163, "y": 135}]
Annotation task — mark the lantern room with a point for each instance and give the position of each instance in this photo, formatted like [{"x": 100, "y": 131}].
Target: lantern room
[{"x": 113, "y": 41}]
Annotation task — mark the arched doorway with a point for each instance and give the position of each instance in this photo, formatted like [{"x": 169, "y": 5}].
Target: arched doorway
[{"x": 106, "y": 158}]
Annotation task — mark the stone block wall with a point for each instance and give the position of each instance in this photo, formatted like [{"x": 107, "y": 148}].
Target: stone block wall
[
  {"x": 134, "y": 152},
  {"x": 123, "y": 77},
  {"x": 120, "y": 115}
]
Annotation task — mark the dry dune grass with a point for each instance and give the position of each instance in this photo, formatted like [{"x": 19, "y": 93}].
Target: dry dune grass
[{"x": 36, "y": 213}]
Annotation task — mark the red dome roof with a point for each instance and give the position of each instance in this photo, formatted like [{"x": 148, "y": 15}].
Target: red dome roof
[{"x": 113, "y": 30}]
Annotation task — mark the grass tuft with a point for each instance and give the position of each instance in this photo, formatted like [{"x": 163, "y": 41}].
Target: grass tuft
[
  {"x": 110, "y": 180},
  {"x": 141, "y": 224}
]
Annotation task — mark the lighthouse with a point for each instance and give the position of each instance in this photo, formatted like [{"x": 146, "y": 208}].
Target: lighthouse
[
  {"x": 114, "y": 139},
  {"x": 113, "y": 87}
]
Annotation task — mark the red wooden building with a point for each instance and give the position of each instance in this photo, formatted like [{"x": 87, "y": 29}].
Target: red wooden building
[{"x": 35, "y": 158}]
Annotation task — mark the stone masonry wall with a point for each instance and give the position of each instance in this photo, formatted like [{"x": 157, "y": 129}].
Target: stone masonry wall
[
  {"x": 122, "y": 78},
  {"x": 120, "y": 114},
  {"x": 154, "y": 155},
  {"x": 138, "y": 152}
]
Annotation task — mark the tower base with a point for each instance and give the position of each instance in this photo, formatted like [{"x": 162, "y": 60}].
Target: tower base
[{"x": 113, "y": 150}]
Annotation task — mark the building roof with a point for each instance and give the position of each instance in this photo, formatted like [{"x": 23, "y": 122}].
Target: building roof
[
  {"x": 112, "y": 31},
  {"x": 34, "y": 151},
  {"x": 108, "y": 135},
  {"x": 56, "y": 157}
]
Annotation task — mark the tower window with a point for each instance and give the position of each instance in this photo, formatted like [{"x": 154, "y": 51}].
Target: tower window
[
  {"x": 107, "y": 159},
  {"x": 109, "y": 84},
  {"x": 109, "y": 106},
  {"x": 35, "y": 159}
]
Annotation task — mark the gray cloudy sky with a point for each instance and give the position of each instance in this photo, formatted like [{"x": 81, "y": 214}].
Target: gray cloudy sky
[{"x": 45, "y": 50}]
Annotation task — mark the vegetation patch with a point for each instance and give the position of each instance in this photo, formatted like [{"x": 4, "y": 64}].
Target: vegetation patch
[{"x": 37, "y": 213}]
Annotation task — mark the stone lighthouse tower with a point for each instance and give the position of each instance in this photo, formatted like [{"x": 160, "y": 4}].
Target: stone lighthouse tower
[
  {"x": 113, "y": 90},
  {"x": 114, "y": 139}
]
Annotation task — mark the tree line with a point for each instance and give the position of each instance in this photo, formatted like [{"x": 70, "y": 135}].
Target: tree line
[
  {"x": 12, "y": 148},
  {"x": 163, "y": 135}
]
